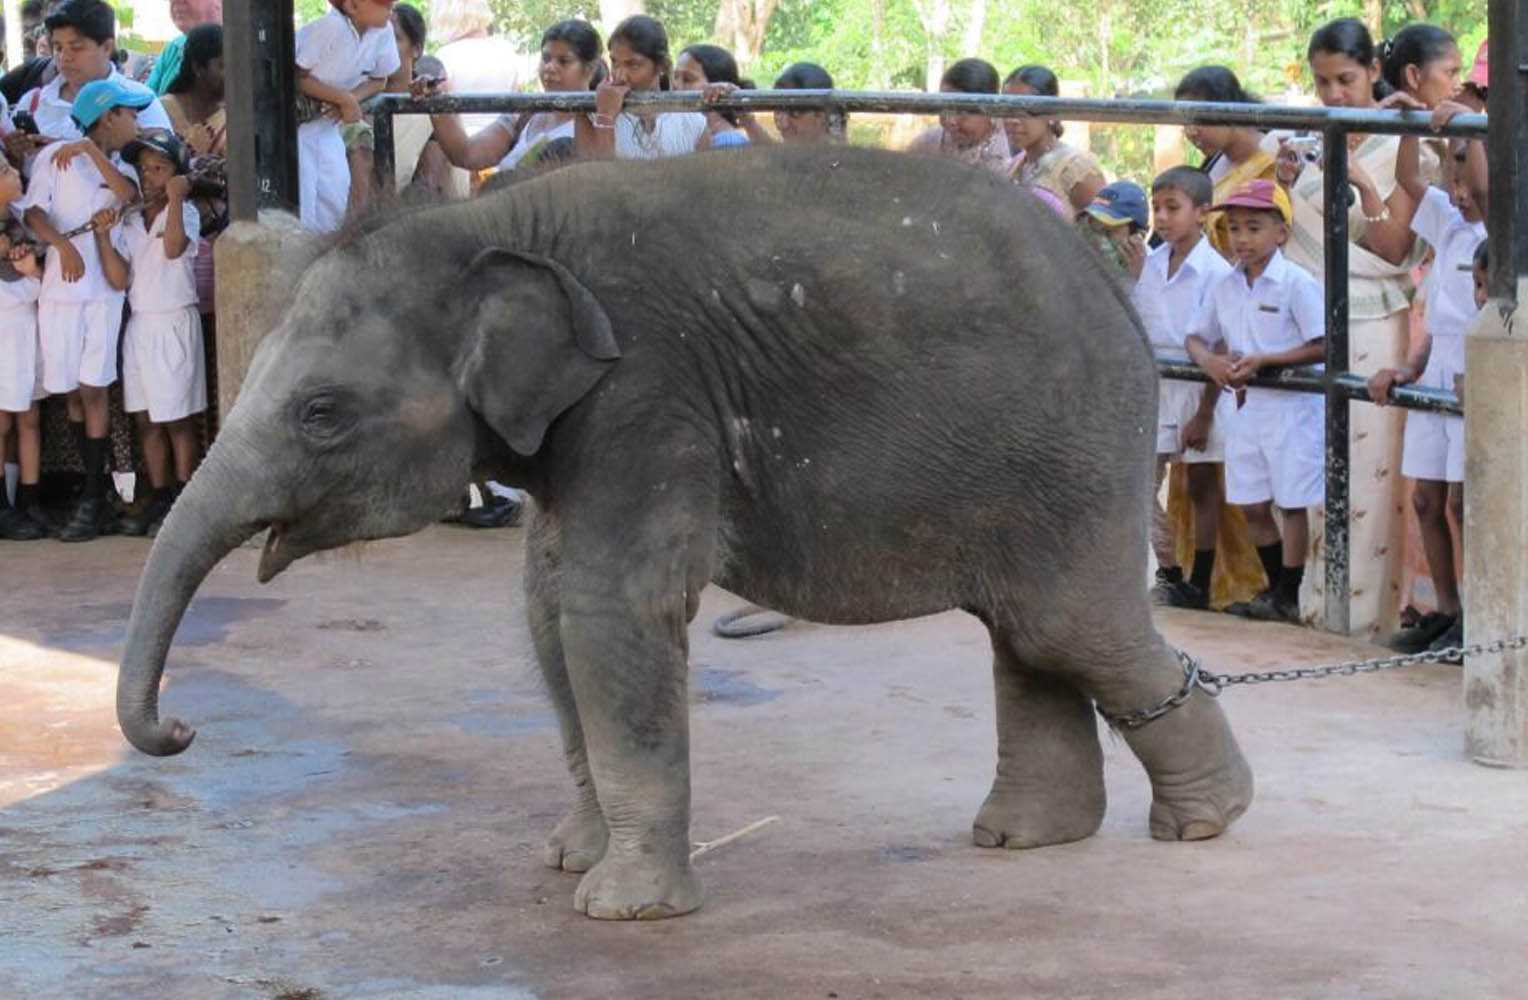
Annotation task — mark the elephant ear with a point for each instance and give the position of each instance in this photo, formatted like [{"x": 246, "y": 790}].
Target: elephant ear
[{"x": 537, "y": 342}]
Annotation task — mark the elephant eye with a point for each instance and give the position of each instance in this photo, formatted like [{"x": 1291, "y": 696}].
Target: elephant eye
[{"x": 322, "y": 416}]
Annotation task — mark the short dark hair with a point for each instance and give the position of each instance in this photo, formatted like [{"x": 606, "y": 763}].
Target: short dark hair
[
  {"x": 971, "y": 76},
  {"x": 204, "y": 43},
  {"x": 412, "y": 23},
  {"x": 92, "y": 18},
  {"x": 1193, "y": 183},
  {"x": 1414, "y": 45},
  {"x": 1483, "y": 256},
  {"x": 804, "y": 76},
  {"x": 646, "y": 36},
  {"x": 1212, "y": 83},
  {"x": 1043, "y": 82}
]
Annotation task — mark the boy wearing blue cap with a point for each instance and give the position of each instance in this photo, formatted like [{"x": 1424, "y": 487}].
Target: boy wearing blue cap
[
  {"x": 79, "y": 311},
  {"x": 1115, "y": 223}
]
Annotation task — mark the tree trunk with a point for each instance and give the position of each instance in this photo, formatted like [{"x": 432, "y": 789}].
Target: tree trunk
[
  {"x": 1374, "y": 17},
  {"x": 879, "y": 79},
  {"x": 934, "y": 15},
  {"x": 741, "y": 26},
  {"x": 1418, "y": 10},
  {"x": 976, "y": 25}
]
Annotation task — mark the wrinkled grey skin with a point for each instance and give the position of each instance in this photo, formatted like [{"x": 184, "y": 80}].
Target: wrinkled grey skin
[{"x": 850, "y": 386}]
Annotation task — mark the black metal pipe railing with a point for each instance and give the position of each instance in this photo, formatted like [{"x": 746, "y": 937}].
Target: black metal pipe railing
[{"x": 1339, "y": 385}]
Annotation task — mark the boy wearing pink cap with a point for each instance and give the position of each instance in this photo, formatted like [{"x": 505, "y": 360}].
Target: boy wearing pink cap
[{"x": 1267, "y": 312}]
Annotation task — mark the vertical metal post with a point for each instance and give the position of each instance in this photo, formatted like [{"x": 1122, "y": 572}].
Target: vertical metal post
[
  {"x": 1335, "y": 175},
  {"x": 259, "y": 51},
  {"x": 383, "y": 153},
  {"x": 1508, "y": 155}
]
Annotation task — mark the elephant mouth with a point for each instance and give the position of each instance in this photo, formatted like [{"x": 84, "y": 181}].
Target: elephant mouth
[{"x": 278, "y": 553}]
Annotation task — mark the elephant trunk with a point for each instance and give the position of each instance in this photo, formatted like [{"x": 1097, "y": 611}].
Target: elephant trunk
[{"x": 204, "y": 526}]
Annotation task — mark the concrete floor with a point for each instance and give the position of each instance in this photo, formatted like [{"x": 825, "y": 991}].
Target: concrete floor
[{"x": 362, "y": 812}]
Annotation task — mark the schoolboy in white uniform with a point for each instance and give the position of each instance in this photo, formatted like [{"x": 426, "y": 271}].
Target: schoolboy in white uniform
[
  {"x": 83, "y": 34},
  {"x": 1268, "y": 312},
  {"x": 1453, "y": 225},
  {"x": 164, "y": 377},
  {"x": 79, "y": 313},
  {"x": 1173, "y": 284},
  {"x": 343, "y": 58},
  {"x": 20, "y": 378}
]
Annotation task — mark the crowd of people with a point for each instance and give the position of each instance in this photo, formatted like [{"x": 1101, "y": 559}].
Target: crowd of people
[{"x": 115, "y": 188}]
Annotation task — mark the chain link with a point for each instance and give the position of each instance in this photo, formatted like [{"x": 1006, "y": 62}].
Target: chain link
[{"x": 1196, "y": 677}]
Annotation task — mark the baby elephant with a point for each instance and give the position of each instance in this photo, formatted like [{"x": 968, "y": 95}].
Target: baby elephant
[{"x": 848, "y": 385}]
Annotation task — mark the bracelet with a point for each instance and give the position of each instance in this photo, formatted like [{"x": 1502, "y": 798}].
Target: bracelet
[
  {"x": 1383, "y": 216},
  {"x": 603, "y": 121}
]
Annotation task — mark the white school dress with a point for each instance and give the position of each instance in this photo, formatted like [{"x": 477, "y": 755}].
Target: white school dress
[
  {"x": 20, "y": 369},
  {"x": 334, "y": 53},
  {"x": 1275, "y": 444},
  {"x": 164, "y": 369},
  {"x": 1167, "y": 305},
  {"x": 537, "y": 133},
  {"x": 78, "y": 322},
  {"x": 1434, "y": 443},
  {"x": 55, "y": 114},
  {"x": 672, "y": 134}
]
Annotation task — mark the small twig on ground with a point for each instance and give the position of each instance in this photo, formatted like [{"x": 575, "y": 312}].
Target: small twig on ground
[{"x": 707, "y": 846}]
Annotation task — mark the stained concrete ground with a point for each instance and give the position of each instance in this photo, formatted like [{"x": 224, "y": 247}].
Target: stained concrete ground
[{"x": 362, "y": 812}]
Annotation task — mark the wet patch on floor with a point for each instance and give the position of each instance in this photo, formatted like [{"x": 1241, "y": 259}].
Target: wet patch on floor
[
  {"x": 710, "y": 686},
  {"x": 206, "y": 622}
]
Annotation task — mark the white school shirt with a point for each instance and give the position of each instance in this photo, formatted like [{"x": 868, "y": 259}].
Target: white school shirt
[
  {"x": 1283, "y": 309},
  {"x": 19, "y": 294},
  {"x": 674, "y": 134},
  {"x": 55, "y": 118},
  {"x": 1451, "y": 282},
  {"x": 334, "y": 53},
  {"x": 71, "y": 197},
  {"x": 158, "y": 283},
  {"x": 1168, "y": 305}
]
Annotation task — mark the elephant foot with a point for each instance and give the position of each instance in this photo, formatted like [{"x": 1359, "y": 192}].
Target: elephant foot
[
  {"x": 637, "y": 888},
  {"x": 1201, "y": 807},
  {"x": 577, "y": 842},
  {"x": 1017, "y": 821}
]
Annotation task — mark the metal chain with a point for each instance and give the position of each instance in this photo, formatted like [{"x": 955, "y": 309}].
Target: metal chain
[{"x": 1196, "y": 677}]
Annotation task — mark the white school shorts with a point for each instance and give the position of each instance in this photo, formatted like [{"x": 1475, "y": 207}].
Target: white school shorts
[
  {"x": 323, "y": 176},
  {"x": 1177, "y": 402},
  {"x": 20, "y": 368},
  {"x": 164, "y": 370},
  {"x": 1275, "y": 450},
  {"x": 1434, "y": 442},
  {"x": 78, "y": 343}
]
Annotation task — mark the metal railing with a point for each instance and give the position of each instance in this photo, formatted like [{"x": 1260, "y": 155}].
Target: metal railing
[{"x": 1334, "y": 380}]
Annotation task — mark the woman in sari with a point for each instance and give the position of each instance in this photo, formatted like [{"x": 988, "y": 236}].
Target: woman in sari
[
  {"x": 1041, "y": 159},
  {"x": 1382, "y": 253},
  {"x": 969, "y": 138}
]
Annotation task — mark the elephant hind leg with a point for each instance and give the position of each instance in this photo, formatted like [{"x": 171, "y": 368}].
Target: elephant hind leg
[
  {"x": 1049, "y": 787},
  {"x": 579, "y": 840}
]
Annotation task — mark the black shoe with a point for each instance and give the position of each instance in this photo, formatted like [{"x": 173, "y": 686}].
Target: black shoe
[
  {"x": 86, "y": 523},
  {"x": 1452, "y": 639},
  {"x": 1162, "y": 590},
  {"x": 496, "y": 512},
  {"x": 1187, "y": 595},
  {"x": 1270, "y": 607},
  {"x": 146, "y": 521},
  {"x": 1421, "y": 635},
  {"x": 17, "y": 526}
]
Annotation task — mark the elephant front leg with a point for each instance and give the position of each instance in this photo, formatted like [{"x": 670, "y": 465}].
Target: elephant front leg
[
  {"x": 578, "y": 841},
  {"x": 628, "y": 676},
  {"x": 1049, "y": 787}
]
